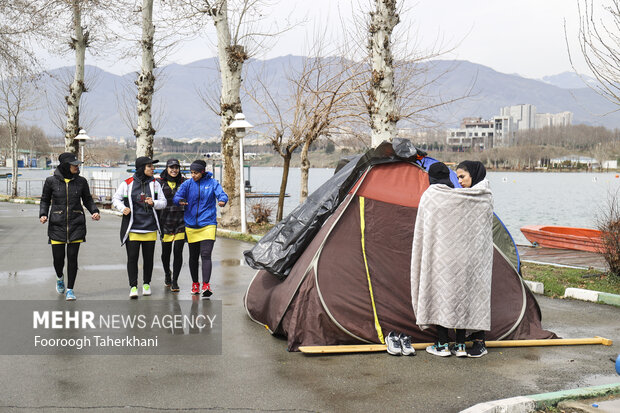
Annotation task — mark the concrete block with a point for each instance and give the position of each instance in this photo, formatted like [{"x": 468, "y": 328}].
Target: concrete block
[
  {"x": 581, "y": 294},
  {"x": 519, "y": 404},
  {"x": 607, "y": 298},
  {"x": 535, "y": 286}
]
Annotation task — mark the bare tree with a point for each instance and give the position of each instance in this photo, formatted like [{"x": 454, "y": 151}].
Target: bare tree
[
  {"x": 284, "y": 138},
  {"x": 608, "y": 222},
  {"x": 146, "y": 84},
  {"x": 402, "y": 80},
  {"x": 16, "y": 97},
  {"x": 20, "y": 21},
  {"x": 237, "y": 25},
  {"x": 323, "y": 89},
  {"x": 88, "y": 22},
  {"x": 381, "y": 95},
  {"x": 599, "y": 42}
]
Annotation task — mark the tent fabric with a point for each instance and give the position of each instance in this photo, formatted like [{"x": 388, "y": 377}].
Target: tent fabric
[
  {"x": 282, "y": 246},
  {"x": 325, "y": 299}
]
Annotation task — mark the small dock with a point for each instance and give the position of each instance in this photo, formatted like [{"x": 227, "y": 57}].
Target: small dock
[{"x": 569, "y": 258}]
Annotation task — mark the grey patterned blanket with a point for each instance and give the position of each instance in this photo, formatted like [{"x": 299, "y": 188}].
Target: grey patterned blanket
[{"x": 452, "y": 257}]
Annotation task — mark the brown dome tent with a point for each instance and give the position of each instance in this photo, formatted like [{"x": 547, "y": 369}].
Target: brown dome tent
[{"x": 351, "y": 283}]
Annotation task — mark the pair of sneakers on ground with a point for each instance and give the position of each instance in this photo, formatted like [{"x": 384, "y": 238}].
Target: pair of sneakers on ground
[
  {"x": 399, "y": 344},
  {"x": 146, "y": 291},
  {"x": 60, "y": 289},
  {"x": 478, "y": 349},
  {"x": 205, "y": 290}
]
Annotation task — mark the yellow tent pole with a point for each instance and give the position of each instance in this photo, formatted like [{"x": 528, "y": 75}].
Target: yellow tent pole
[
  {"x": 364, "y": 348},
  {"x": 372, "y": 298}
]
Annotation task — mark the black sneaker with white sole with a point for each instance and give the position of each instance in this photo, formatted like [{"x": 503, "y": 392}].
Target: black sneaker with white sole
[
  {"x": 405, "y": 345},
  {"x": 477, "y": 349},
  {"x": 393, "y": 343}
]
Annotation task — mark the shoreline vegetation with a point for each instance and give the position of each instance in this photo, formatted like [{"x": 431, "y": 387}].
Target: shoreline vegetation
[
  {"x": 557, "y": 279},
  {"x": 321, "y": 159}
]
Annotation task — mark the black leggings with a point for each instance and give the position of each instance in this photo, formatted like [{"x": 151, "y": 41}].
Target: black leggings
[
  {"x": 133, "y": 252},
  {"x": 166, "y": 249},
  {"x": 58, "y": 253},
  {"x": 203, "y": 250},
  {"x": 442, "y": 335}
]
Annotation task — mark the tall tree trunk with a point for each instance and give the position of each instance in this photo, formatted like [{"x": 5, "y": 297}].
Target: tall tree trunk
[
  {"x": 305, "y": 167},
  {"x": 285, "y": 168},
  {"x": 14, "y": 170},
  {"x": 146, "y": 85},
  {"x": 79, "y": 43},
  {"x": 382, "y": 98},
  {"x": 231, "y": 58}
]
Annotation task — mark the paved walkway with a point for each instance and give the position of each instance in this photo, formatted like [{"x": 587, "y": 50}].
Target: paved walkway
[{"x": 255, "y": 372}]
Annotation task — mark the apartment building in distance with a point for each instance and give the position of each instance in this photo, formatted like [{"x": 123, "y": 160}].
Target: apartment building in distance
[{"x": 501, "y": 131}]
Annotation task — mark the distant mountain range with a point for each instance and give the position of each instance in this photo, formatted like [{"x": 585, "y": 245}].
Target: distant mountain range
[{"x": 185, "y": 114}]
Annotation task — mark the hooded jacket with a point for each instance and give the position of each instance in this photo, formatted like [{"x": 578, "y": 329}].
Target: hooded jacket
[
  {"x": 122, "y": 199},
  {"x": 201, "y": 198},
  {"x": 66, "y": 218}
]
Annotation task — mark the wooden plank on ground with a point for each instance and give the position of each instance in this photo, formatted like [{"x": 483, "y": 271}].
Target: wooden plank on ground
[{"x": 365, "y": 348}]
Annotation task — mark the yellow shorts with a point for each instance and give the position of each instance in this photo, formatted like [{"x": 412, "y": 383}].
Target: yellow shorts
[
  {"x": 143, "y": 236},
  {"x": 200, "y": 234},
  {"x": 173, "y": 237},
  {"x": 62, "y": 242}
]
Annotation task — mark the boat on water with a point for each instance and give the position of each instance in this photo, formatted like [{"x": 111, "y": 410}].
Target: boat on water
[{"x": 582, "y": 239}]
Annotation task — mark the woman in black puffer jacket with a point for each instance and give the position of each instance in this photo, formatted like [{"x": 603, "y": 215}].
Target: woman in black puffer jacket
[{"x": 64, "y": 192}]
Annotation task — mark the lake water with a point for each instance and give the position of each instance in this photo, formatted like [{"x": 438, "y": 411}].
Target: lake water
[{"x": 521, "y": 198}]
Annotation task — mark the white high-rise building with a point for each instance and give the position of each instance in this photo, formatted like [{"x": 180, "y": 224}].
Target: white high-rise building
[
  {"x": 523, "y": 116},
  {"x": 502, "y": 130},
  {"x": 553, "y": 119}
]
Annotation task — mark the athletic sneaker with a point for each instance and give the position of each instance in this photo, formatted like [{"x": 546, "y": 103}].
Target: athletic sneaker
[
  {"x": 206, "y": 290},
  {"x": 393, "y": 344},
  {"x": 195, "y": 288},
  {"x": 174, "y": 287},
  {"x": 478, "y": 349},
  {"x": 60, "y": 285},
  {"x": 70, "y": 296},
  {"x": 146, "y": 289},
  {"x": 167, "y": 280},
  {"x": 133, "y": 293},
  {"x": 405, "y": 345},
  {"x": 438, "y": 349},
  {"x": 459, "y": 350}
]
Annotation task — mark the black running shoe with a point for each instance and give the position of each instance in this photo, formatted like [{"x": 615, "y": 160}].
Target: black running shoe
[
  {"x": 167, "y": 280},
  {"x": 174, "y": 287},
  {"x": 393, "y": 343},
  {"x": 206, "y": 290},
  {"x": 478, "y": 349}
]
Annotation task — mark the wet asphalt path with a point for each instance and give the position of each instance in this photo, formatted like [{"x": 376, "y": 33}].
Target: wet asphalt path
[{"x": 255, "y": 372}]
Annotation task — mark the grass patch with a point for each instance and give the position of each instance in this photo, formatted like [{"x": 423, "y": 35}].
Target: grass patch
[
  {"x": 557, "y": 279},
  {"x": 236, "y": 235}
]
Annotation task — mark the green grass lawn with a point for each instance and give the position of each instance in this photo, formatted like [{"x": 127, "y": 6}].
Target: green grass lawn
[{"x": 557, "y": 279}]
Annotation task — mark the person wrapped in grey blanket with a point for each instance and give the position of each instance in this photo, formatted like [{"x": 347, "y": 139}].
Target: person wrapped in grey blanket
[{"x": 452, "y": 258}]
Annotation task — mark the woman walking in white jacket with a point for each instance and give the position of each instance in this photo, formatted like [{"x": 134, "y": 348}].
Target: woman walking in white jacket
[{"x": 137, "y": 198}]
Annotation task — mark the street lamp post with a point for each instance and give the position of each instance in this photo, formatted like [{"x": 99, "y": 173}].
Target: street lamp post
[
  {"x": 82, "y": 137},
  {"x": 240, "y": 125}
]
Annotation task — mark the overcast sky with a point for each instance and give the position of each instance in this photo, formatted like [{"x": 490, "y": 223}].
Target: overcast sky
[{"x": 525, "y": 37}]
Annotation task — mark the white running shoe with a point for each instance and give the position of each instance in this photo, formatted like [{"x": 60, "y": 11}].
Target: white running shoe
[
  {"x": 405, "y": 345},
  {"x": 146, "y": 289},
  {"x": 438, "y": 349},
  {"x": 133, "y": 293}
]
